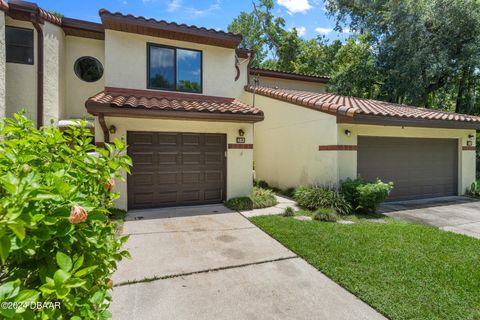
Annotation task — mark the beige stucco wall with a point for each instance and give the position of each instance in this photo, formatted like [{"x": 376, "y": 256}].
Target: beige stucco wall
[
  {"x": 286, "y": 144},
  {"x": 21, "y": 80},
  {"x": 291, "y": 84},
  {"x": 54, "y": 73},
  {"x": 2, "y": 64},
  {"x": 348, "y": 159},
  {"x": 239, "y": 161},
  {"x": 126, "y": 64},
  {"x": 77, "y": 90}
]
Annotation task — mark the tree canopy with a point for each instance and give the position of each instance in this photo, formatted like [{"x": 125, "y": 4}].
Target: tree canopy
[{"x": 418, "y": 52}]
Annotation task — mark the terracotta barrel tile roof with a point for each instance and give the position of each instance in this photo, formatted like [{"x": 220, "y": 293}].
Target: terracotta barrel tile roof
[
  {"x": 351, "y": 106},
  {"x": 170, "y": 30},
  {"x": 121, "y": 99}
]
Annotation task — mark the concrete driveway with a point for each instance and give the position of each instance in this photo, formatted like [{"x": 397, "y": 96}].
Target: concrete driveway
[
  {"x": 456, "y": 214},
  {"x": 211, "y": 263}
]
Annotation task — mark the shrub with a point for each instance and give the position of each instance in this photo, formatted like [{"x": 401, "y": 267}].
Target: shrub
[
  {"x": 289, "y": 212},
  {"x": 239, "y": 204},
  {"x": 289, "y": 192},
  {"x": 312, "y": 198},
  {"x": 263, "y": 198},
  {"x": 325, "y": 214},
  {"x": 262, "y": 184},
  {"x": 117, "y": 214},
  {"x": 260, "y": 198},
  {"x": 56, "y": 241},
  {"x": 365, "y": 197}
]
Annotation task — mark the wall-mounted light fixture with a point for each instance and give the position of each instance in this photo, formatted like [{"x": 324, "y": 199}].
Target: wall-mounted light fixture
[
  {"x": 471, "y": 136},
  {"x": 112, "y": 129},
  {"x": 348, "y": 133},
  {"x": 241, "y": 133}
]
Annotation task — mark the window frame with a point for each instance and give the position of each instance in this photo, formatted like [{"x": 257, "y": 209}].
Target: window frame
[
  {"x": 23, "y": 46},
  {"x": 175, "y": 89}
]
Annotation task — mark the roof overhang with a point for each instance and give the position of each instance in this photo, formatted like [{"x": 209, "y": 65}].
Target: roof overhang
[
  {"x": 163, "y": 29},
  {"x": 97, "y": 109},
  {"x": 83, "y": 29},
  {"x": 407, "y": 122}
]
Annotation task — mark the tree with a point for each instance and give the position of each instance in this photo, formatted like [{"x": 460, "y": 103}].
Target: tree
[
  {"x": 248, "y": 25},
  {"x": 354, "y": 72},
  {"x": 426, "y": 52},
  {"x": 266, "y": 34}
]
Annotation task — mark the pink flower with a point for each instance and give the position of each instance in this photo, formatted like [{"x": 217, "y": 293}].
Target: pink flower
[
  {"x": 77, "y": 215},
  {"x": 111, "y": 183}
]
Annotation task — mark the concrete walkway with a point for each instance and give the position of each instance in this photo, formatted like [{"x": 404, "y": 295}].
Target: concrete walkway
[
  {"x": 455, "y": 214},
  {"x": 211, "y": 263}
]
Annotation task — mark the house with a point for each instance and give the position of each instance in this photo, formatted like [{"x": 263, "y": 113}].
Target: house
[
  {"x": 172, "y": 90},
  {"x": 322, "y": 138},
  {"x": 192, "y": 109}
]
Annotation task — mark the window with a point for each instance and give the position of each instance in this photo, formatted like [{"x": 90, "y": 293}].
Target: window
[
  {"x": 19, "y": 45},
  {"x": 174, "y": 69},
  {"x": 88, "y": 69}
]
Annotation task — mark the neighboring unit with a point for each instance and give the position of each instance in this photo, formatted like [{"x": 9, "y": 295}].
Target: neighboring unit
[{"x": 321, "y": 138}]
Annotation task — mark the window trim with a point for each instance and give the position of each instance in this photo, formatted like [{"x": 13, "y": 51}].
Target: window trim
[
  {"x": 151, "y": 44},
  {"x": 23, "y": 46}
]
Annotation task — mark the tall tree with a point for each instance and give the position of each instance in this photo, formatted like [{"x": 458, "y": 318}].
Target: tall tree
[{"x": 426, "y": 52}]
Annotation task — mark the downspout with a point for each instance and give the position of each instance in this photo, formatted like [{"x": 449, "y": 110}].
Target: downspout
[
  {"x": 103, "y": 124},
  {"x": 37, "y": 26}
]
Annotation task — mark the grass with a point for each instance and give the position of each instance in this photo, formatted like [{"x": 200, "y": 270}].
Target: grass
[{"x": 404, "y": 270}]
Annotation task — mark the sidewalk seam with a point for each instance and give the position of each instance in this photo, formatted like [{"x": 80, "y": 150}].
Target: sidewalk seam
[{"x": 202, "y": 271}]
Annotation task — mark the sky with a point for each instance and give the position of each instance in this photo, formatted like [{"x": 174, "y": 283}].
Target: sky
[{"x": 307, "y": 16}]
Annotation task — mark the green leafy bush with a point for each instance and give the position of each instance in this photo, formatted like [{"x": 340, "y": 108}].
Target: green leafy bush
[
  {"x": 325, "y": 214},
  {"x": 57, "y": 244},
  {"x": 289, "y": 212},
  {"x": 314, "y": 197},
  {"x": 261, "y": 184},
  {"x": 240, "y": 204},
  {"x": 365, "y": 197},
  {"x": 263, "y": 198},
  {"x": 260, "y": 198}
]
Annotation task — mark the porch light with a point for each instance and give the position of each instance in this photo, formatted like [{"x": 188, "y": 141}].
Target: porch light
[
  {"x": 348, "y": 133},
  {"x": 471, "y": 136},
  {"x": 241, "y": 133},
  {"x": 112, "y": 129}
]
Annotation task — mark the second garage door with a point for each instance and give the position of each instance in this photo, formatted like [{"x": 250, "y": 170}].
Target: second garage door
[
  {"x": 419, "y": 168},
  {"x": 172, "y": 169}
]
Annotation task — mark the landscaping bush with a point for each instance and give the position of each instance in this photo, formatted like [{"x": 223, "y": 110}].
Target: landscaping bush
[
  {"x": 260, "y": 198},
  {"x": 365, "y": 197},
  {"x": 325, "y": 214},
  {"x": 289, "y": 212},
  {"x": 262, "y": 184},
  {"x": 263, "y": 198},
  {"x": 57, "y": 245},
  {"x": 314, "y": 197},
  {"x": 240, "y": 204}
]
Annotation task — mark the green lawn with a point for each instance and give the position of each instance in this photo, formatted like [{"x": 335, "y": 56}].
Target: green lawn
[{"x": 404, "y": 270}]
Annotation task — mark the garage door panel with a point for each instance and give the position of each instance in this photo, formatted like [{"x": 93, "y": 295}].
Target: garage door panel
[
  {"x": 419, "y": 168},
  {"x": 141, "y": 139},
  {"x": 176, "y": 169}
]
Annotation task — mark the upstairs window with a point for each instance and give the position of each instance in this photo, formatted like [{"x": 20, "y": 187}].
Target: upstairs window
[
  {"x": 174, "y": 69},
  {"x": 19, "y": 45}
]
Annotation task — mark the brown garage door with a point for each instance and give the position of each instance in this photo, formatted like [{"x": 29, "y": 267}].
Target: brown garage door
[
  {"x": 419, "y": 168},
  {"x": 171, "y": 169}
]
